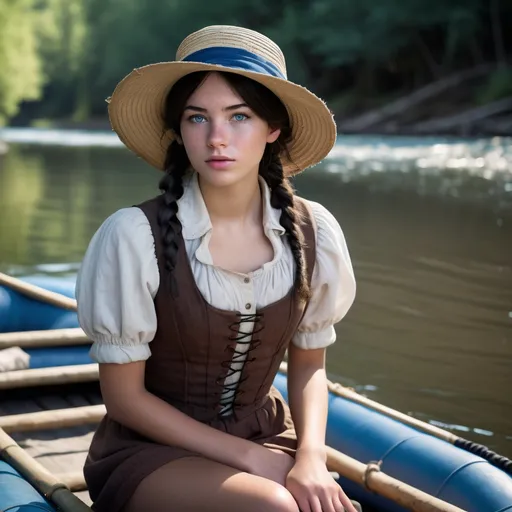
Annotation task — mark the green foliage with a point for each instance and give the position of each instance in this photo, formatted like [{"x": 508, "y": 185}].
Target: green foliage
[
  {"x": 62, "y": 35},
  {"x": 21, "y": 77},
  {"x": 345, "y": 32},
  {"x": 80, "y": 49}
]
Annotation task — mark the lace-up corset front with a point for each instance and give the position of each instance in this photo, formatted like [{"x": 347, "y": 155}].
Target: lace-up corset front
[
  {"x": 245, "y": 335},
  {"x": 212, "y": 363}
]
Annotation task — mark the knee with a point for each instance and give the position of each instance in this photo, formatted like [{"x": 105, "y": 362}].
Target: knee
[{"x": 280, "y": 500}]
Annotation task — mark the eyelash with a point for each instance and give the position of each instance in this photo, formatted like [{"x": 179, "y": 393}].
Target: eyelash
[{"x": 195, "y": 116}]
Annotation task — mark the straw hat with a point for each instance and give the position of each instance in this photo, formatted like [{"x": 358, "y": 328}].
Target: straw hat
[{"x": 137, "y": 104}]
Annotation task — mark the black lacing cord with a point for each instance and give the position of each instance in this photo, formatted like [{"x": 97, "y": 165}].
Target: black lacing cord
[
  {"x": 494, "y": 458},
  {"x": 232, "y": 390}
]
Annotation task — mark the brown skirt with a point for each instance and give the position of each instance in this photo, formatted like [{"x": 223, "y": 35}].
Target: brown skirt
[{"x": 120, "y": 458}]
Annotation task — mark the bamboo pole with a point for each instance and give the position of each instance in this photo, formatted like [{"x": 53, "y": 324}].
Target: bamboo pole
[
  {"x": 74, "y": 481},
  {"x": 49, "y": 338},
  {"x": 60, "y": 418},
  {"x": 384, "y": 485},
  {"x": 67, "y": 303},
  {"x": 37, "y": 475},
  {"x": 49, "y": 376},
  {"x": 352, "y": 469},
  {"x": 353, "y": 396},
  {"x": 368, "y": 475},
  {"x": 89, "y": 372},
  {"x": 37, "y": 293}
]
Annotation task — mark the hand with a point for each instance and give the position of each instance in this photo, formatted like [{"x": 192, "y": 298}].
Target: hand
[
  {"x": 313, "y": 487},
  {"x": 271, "y": 464}
]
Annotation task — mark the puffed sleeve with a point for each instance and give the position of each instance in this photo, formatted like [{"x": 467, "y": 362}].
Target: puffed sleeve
[
  {"x": 116, "y": 284},
  {"x": 333, "y": 285}
]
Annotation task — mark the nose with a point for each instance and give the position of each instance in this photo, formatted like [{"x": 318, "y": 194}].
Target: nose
[{"x": 217, "y": 135}]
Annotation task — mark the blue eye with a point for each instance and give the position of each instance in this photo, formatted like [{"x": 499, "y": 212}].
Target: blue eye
[
  {"x": 240, "y": 117},
  {"x": 197, "y": 118}
]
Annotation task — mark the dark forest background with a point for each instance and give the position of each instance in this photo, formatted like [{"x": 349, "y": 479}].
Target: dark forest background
[{"x": 379, "y": 63}]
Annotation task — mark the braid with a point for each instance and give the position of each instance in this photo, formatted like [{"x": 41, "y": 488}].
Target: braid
[
  {"x": 282, "y": 197},
  {"x": 175, "y": 167}
]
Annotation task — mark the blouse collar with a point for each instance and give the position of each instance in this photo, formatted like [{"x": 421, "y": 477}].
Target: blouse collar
[{"x": 195, "y": 219}]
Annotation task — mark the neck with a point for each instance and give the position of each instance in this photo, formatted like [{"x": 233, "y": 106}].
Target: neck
[{"x": 239, "y": 203}]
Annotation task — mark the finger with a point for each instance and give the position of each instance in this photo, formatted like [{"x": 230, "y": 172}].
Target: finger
[
  {"x": 345, "y": 501},
  {"x": 303, "y": 504},
  {"x": 328, "y": 504},
  {"x": 316, "y": 505},
  {"x": 337, "y": 505}
]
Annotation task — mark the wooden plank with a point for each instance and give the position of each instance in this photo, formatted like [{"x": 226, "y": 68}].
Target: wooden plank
[
  {"x": 61, "y": 454},
  {"x": 20, "y": 406},
  {"x": 53, "y": 402},
  {"x": 50, "y": 402},
  {"x": 59, "y": 450},
  {"x": 77, "y": 400},
  {"x": 94, "y": 398},
  {"x": 84, "y": 496}
]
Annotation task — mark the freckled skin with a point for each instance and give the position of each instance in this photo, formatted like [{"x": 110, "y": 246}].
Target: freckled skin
[{"x": 238, "y": 134}]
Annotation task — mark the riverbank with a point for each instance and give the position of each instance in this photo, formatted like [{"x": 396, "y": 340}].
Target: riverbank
[
  {"x": 464, "y": 104},
  {"x": 467, "y": 122},
  {"x": 473, "y": 102},
  {"x": 397, "y": 118}
]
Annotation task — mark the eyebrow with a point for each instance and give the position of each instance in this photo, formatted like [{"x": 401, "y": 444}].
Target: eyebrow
[{"x": 231, "y": 107}]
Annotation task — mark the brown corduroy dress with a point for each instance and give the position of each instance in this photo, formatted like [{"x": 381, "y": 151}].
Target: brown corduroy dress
[{"x": 190, "y": 359}]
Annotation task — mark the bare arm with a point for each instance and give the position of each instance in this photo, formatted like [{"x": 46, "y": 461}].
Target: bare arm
[
  {"x": 333, "y": 289},
  {"x": 309, "y": 482},
  {"x": 128, "y": 402},
  {"x": 307, "y": 391}
]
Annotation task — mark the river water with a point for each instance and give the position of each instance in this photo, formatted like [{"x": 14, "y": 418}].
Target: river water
[{"x": 429, "y": 226}]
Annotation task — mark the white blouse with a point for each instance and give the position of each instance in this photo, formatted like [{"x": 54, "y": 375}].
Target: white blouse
[{"x": 119, "y": 278}]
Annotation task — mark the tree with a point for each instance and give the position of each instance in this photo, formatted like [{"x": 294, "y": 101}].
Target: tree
[
  {"x": 62, "y": 34},
  {"x": 21, "y": 77}
]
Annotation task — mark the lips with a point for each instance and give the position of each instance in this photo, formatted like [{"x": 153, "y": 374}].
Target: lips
[
  {"x": 220, "y": 163},
  {"x": 220, "y": 159}
]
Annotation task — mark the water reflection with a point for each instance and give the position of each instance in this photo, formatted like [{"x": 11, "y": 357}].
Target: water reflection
[{"x": 431, "y": 241}]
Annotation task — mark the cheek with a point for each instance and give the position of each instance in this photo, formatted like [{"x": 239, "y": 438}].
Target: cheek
[
  {"x": 252, "y": 138},
  {"x": 191, "y": 137}
]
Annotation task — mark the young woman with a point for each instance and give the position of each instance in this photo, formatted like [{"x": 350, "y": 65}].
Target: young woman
[{"x": 193, "y": 297}]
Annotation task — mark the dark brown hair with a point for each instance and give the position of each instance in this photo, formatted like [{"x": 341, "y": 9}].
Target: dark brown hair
[{"x": 266, "y": 105}]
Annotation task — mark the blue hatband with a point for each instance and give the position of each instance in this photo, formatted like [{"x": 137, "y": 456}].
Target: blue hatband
[{"x": 235, "y": 58}]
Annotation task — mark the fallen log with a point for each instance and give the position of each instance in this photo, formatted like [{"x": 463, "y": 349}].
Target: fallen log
[
  {"x": 374, "y": 117},
  {"x": 472, "y": 115}
]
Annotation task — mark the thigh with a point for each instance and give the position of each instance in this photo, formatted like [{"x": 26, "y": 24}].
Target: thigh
[{"x": 195, "y": 484}]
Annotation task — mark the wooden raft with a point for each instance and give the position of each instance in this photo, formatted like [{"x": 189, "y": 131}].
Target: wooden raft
[{"x": 60, "y": 450}]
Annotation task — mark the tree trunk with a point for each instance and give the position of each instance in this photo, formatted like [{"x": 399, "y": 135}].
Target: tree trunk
[
  {"x": 497, "y": 33},
  {"x": 435, "y": 68},
  {"x": 375, "y": 117}
]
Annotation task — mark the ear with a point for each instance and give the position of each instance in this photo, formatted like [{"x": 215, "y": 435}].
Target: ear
[{"x": 273, "y": 135}]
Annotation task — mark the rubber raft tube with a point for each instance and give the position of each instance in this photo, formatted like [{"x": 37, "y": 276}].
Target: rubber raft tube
[
  {"x": 414, "y": 457},
  {"x": 17, "y": 495}
]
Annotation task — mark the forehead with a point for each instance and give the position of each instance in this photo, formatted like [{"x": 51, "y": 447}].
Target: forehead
[{"x": 215, "y": 90}]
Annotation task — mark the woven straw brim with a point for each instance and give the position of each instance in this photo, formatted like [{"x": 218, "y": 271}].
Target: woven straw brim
[{"x": 136, "y": 113}]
